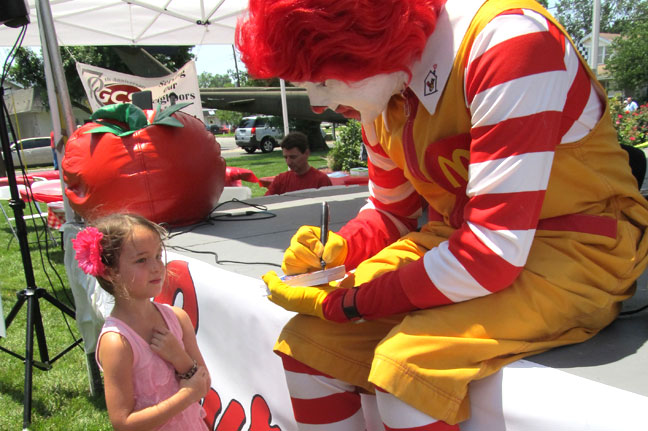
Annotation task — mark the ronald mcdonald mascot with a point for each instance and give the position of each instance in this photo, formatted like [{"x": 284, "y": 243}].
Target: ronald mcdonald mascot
[
  {"x": 162, "y": 165},
  {"x": 482, "y": 113}
]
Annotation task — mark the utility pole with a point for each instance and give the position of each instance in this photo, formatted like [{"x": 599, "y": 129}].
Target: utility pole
[
  {"x": 596, "y": 22},
  {"x": 238, "y": 80}
]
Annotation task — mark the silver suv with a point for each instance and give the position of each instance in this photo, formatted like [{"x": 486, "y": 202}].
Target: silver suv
[
  {"x": 260, "y": 131},
  {"x": 33, "y": 151}
]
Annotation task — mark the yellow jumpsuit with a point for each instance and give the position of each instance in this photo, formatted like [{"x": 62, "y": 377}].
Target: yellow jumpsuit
[{"x": 570, "y": 288}]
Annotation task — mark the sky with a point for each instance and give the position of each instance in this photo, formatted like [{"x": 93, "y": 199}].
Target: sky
[{"x": 215, "y": 59}]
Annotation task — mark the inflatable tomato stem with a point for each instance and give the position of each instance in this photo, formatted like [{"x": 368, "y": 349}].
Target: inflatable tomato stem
[{"x": 133, "y": 117}]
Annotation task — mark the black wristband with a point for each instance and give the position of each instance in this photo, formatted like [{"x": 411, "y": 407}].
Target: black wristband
[
  {"x": 349, "y": 304},
  {"x": 189, "y": 374}
]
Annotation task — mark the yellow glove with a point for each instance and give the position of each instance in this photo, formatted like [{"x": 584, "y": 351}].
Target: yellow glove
[
  {"x": 302, "y": 299},
  {"x": 305, "y": 250},
  {"x": 380, "y": 297}
]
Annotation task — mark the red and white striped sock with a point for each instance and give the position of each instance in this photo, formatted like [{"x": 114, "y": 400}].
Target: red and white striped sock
[
  {"x": 399, "y": 416},
  {"x": 370, "y": 413},
  {"x": 320, "y": 402}
]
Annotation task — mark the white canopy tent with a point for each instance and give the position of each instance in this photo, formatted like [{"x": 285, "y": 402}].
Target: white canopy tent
[
  {"x": 128, "y": 22},
  {"x": 135, "y": 22},
  {"x": 56, "y": 23}
]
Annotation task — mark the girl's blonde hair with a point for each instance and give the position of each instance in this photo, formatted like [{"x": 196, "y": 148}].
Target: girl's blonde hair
[{"x": 116, "y": 229}]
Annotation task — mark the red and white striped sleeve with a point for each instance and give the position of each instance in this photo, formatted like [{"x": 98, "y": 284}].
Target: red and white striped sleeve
[
  {"x": 527, "y": 93},
  {"x": 392, "y": 210}
]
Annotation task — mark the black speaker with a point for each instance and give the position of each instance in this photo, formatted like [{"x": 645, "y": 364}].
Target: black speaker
[
  {"x": 14, "y": 13},
  {"x": 143, "y": 99}
]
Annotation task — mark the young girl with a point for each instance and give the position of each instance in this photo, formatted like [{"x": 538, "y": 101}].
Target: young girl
[{"x": 154, "y": 374}]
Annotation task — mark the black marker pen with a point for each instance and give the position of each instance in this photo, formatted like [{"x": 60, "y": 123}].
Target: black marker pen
[{"x": 324, "y": 228}]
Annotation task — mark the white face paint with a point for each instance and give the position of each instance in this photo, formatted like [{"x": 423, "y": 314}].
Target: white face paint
[{"x": 361, "y": 100}]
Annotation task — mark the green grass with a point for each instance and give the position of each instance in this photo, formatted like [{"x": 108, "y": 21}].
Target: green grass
[
  {"x": 61, "y": 398},
  {"x": 270, "y": 164}
]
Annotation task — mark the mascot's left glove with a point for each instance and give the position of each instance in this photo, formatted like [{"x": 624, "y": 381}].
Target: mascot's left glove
[{"x": 325, "y": 301}]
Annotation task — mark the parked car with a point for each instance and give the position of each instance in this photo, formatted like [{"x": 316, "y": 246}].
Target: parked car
[
  {"x": 213, "y": 128},
  {"x": 33, "y": 151},
  {"x": 260, "y": 131},
  {"x": 225, "y": 128}
]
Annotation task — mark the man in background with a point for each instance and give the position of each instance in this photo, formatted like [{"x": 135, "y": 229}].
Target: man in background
[
  {"x": 630, "y": 105},
  {"x": 301, "y": 175}
]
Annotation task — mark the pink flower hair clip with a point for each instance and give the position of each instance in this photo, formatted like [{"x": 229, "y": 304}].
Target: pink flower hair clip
[{"x": 88, "y": 251}]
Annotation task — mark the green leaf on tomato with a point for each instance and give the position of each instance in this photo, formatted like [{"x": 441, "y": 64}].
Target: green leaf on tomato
[
  {"x": 133, "y": 117},
  {"x": 169, "y": 121},
  {"x": 168, "y": 111},
  {"x": 112, "y": 128}
]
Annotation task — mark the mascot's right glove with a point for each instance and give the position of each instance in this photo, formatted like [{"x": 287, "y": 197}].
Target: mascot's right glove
[
  {"x": 346, "y": 301},
  {"x": 324, "y": 301},
  {"x": 305, "y": 250}
]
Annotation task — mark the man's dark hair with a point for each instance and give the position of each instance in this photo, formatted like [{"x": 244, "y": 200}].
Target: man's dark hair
[{"x": 295, "y": 140}]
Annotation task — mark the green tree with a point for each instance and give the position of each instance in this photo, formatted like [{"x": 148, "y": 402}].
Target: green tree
[
  {"x": 230, "y": 117},
  {"x": 312, "y": 129},
  {"x": 629, "y": 64},
  {"x": 28, "y": 68},
  {"x": 576, "y": 15},
  {"x": 208, "y": 80},
  {"x": 247, "y": 81},
  {"x": 346, "y": 153}
]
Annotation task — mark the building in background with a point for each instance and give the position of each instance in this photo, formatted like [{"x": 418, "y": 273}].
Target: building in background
[
  {"x": 604, "y": 53},
  {"x": 29, "y": 113}
]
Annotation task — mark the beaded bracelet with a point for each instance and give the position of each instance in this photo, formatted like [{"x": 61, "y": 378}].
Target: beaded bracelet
[{"x": 189, "y": 374}]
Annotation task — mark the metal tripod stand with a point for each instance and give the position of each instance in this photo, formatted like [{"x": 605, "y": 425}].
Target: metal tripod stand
[{"x": 31, "y": 295}]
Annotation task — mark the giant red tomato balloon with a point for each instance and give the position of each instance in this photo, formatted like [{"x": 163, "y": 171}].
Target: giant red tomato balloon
[{"x": 171, "y": 175}]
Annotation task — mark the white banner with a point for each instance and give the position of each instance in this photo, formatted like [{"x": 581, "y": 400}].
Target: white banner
[
  {"x": 105, "y": 87},
  {"x": 236, "y": 327}
]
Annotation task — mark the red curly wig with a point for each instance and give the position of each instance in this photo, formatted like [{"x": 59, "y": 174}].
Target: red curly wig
[{"x": 348, "y": 40}]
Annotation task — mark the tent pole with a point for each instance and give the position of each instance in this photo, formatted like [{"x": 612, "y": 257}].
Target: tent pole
[
  {"x": 48, "y": 38},
  {"x": 56, "y": 83},
  {"x": 284, "y": 107},
  {"x": 59, "y": 100},
  {"x": 55, "y": 113}
]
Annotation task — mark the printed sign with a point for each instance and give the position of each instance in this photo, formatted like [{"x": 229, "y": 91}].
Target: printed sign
[
  {"x": 105, "y": 87},
  {"x": 236, "y": 327}
]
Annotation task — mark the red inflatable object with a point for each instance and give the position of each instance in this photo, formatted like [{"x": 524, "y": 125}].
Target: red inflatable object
[
  {"x": 172, "y": 175},
  {"x": 20, "y": 179},
  {"x": 233, "y": 176}
]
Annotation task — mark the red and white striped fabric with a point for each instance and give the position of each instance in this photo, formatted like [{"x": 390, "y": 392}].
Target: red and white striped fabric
[
  {"x": 522, "y": 107},
  {"x": 55, "y": 215},
  {"x": 320, "y": 402},
  {"x": 398, "y": 416}
]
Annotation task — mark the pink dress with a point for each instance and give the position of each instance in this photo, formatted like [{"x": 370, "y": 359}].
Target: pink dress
[{"x": 154, "y": 378}]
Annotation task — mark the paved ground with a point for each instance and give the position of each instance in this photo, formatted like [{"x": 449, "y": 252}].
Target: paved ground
[{"x": 229, "y": 148}]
